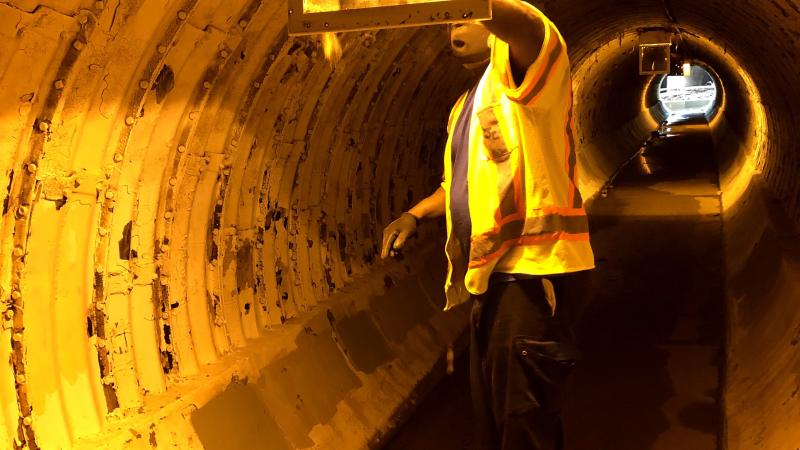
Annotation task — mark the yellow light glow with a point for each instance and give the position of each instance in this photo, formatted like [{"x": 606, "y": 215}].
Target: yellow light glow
[
  {"x": 687, "y": 69},
  {"x": 332, "y": 48},
  {"x": 313, "y": 6},
  {"x": 644, "y": 163},
  {"x": 651, "y": 123},
  {"x": 321, "y": 5}
]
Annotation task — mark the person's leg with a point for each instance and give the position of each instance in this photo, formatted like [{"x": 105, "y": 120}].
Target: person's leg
[
  {"x": 527, "y": 359},
  {"x": 485, "y": 431},
  {"x": 572, "y": 297}
]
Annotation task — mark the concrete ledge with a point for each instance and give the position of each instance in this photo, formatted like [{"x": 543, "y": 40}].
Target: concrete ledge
[{"x": 340, "y": 377}]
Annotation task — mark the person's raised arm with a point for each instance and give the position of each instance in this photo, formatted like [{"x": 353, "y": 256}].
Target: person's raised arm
[
  {"x": 396, "y": 234},
  {"x": 518, "y": 24}
]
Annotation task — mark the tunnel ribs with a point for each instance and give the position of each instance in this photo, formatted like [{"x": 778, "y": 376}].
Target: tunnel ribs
[
  {"x": 264, "y": 316},
  {"x": 162, "y": 83},
  {"x": 99, "y": 321},
  {"x": 27, "y": 190},
  {"x": 120, "y": 235},
  {"x": 191, "y": 165}
]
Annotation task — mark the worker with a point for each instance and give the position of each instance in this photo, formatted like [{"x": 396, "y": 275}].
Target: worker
[{"x": 517, "y": 234}]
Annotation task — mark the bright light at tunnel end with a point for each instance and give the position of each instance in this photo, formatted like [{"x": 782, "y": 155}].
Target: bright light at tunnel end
[{"x": 693, "y": 93}]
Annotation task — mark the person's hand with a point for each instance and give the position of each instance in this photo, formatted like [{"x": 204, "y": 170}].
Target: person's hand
[{"x": 396, "y": 234}]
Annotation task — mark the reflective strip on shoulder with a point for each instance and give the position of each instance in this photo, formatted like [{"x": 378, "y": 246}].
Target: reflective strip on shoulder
[
  {"x": 537, "y": 76},
  {"x": 544, "y": 73}
]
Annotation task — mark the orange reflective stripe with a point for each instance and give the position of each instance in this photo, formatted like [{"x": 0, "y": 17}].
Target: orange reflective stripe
[
  {"x": 520, "y": 217},
  {"x": 537, "y": 84},
  {"x": 549, "y": 52},
  {"x": 568, "y": 150},
  {"x": 571, "y": 158},
  {"x": 489, "y": 243},
  {"x": 528, "y": 240},
  {"x": 563, "y": 211},
  {"x": 577, "y": 198},
  {"x": 519, "y": 184},
  {"x": 559, "y": 236},
  {"x": 512, "y": 199}
]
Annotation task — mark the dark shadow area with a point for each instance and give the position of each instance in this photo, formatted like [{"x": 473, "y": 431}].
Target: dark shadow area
[
  {"x": 443, "y": 420},
  {"x": 652, "y": 335}
]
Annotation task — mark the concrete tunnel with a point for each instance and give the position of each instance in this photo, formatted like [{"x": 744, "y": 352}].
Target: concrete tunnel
[{"x": 193, "y": 203}]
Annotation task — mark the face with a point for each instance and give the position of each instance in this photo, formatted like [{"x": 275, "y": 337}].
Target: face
[{"x": 469, "y": 42}]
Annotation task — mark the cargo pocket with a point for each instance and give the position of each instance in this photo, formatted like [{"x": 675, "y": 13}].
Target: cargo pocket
[{"x": 546, "y": 366}]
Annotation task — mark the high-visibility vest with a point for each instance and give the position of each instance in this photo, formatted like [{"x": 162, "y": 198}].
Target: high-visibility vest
[{"x": 527, "y": 214}]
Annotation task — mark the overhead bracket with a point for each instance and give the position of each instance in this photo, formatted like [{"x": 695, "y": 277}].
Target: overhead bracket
[{"x": 654, "y": 52}]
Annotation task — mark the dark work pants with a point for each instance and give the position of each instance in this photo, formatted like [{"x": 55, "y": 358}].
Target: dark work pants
[{"x": 520, "y": 358}]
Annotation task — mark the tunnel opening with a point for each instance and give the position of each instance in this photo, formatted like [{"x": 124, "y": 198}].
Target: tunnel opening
[{"x": 694, "y": 93}]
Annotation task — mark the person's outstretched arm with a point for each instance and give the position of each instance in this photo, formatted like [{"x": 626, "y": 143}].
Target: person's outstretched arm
[
  {"x": 396, "y": 234},
  {"x": 518, "y": 24}
]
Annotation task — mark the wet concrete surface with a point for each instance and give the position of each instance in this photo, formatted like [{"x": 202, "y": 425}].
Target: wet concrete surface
[{"x": 651, "y": 338}]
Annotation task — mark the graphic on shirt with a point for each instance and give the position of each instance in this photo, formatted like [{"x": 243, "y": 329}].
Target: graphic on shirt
[{"x": 495, "y": 145}]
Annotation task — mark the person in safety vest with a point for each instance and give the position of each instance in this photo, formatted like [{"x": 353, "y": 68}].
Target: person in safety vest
[{"x": 517, "y": 233}]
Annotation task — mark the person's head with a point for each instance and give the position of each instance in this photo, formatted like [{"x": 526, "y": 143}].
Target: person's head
[{"x": 469, "y": 42}]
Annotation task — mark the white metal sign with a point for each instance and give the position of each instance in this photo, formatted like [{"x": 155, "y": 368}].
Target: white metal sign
[{"x": 324, "y": 16}]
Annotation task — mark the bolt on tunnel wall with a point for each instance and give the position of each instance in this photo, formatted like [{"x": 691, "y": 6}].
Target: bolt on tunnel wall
[{"x": 193, "y": 201}]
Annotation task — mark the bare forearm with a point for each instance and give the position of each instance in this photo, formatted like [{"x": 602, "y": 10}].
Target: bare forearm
[
  {"x": 514, "y": 22},
  {"x": 431, "y": 207}
]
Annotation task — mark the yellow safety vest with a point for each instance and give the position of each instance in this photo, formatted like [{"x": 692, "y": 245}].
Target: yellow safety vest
[{"x": 526, "y": 211}]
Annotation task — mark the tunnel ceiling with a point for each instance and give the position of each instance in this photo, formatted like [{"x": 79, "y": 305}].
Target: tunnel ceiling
[
  {"x": 758, "y": 41},
  {"x": 180, "y": 176}
]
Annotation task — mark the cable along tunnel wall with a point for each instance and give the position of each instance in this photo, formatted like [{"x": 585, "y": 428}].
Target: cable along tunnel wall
[{"x": 190, "y": 192}]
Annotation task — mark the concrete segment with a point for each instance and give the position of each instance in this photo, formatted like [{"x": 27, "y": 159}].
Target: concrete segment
[{"x": 237, "y": 420}]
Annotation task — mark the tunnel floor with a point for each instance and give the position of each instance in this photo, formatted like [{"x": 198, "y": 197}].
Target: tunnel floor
[{"x": 652, "y": 335}]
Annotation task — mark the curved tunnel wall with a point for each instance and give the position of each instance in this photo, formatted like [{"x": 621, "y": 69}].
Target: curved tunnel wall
[
  {"x": 612, "y": 116},
  {"x": 182, "y": 209},
  {"x": 185, "y": 179}
]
